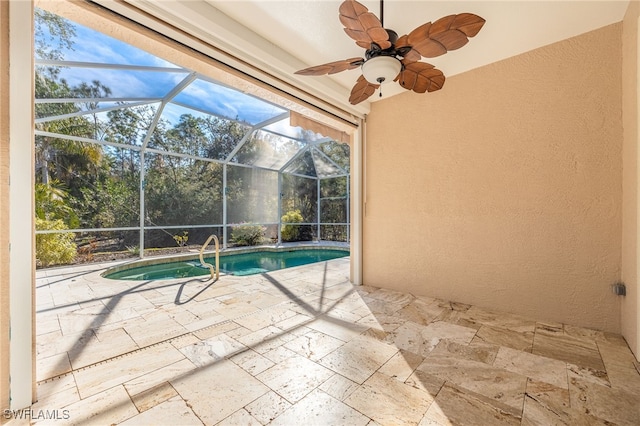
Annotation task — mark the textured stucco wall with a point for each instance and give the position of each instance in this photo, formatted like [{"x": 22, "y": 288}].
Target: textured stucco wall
[
  {"x": 630, "y": 328},
  {"x": 503, "y": 189},
  {"x": 4, "y": 205}
]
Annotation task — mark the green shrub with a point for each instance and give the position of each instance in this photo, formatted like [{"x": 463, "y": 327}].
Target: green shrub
[
  {"x": 181, "y": 240},
  {"x": 248, "y": 235},
  {"x": 54, "y": 249},
  {"x": 291, "y": 232}
]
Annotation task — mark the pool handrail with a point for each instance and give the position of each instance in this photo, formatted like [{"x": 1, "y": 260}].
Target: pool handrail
[{"x": 213, "y": 270}]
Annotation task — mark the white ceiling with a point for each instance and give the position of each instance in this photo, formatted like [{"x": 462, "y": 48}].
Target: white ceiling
[{"x": 282, "y": 36}]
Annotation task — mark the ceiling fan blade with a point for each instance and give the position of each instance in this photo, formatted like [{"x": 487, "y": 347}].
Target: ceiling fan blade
[
  {"x": 332, "y": 67},
  {"x": 421, "y": 77},
  {"x": 362, "y": 90},
  {"x": 407, "y": 52},
  {"x": 363, "y": 26},
  {"x": 448, "y": 33}
]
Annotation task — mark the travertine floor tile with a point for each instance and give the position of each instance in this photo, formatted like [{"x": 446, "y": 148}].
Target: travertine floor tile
[
  {"x": 154, "y": 396},
  {"x": 473, "y": 352},
  {"x": 359, "y": 358},
  {"x": 267, "y": 407},
  {"x": 218, "y": 390},
  {"x": 261, "y": 319},
  {"x": 500, "y": 319},
  {"x": 211, "y": 350},
  {"x": 339, "y": 329},
  {"x": 581, "y": 352},
  {"x": 100, "y": 377},
  {"x": 339, "y": 387},
  {"x": 240, "y": 417},
  {"x": 501, "y": 385},
  {"x": 401, "y": 365},
  {"x": 546, "y": 404},
  {"x": 613, "y": 405},
  {"x": 150, "y": 380},
  {"x": 294, "y": 377},
  {"x": 171, "y": 412},
  {"x": 252, "y": 362},
  {"x": 382, "y": 322},
  {"x": 314, "y": 345},
  {"x": 533, "y": 366},
  {"x": 389, "y": 401},
  {"x": 456, "y": 406},
  {"x": 52, "y": 366},
  {"x": 421, "y": 311},
  {"x": 421, "y": 340},
  {"x": 522, "y": 341},
  {"x": 106, "y": 345},
  {"x": 61, "y": 399},
  {"x": 112, "y": 406},
  {"x": 318, "y": 408}
]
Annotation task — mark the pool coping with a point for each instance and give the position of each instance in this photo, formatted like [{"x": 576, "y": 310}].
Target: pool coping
[{"x": 149, "y": 261}]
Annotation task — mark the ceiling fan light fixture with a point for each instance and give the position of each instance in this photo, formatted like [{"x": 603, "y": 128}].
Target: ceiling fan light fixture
[{"x": 381, "y": 69}]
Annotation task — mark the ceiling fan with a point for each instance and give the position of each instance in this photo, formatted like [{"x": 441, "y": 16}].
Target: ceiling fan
[{"x": 389, "y": 57}]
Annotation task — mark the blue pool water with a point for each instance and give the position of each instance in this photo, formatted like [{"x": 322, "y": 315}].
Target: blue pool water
[{"x": 236, "y": 264}]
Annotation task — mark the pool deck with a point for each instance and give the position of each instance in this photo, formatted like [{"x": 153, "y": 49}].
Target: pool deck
[{"x": 304, "y": 346}]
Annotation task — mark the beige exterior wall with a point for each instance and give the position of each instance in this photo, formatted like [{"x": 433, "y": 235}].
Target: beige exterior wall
[
  {"x": 4, "y": 205},
  {"x": 503, "y": 189},
  {"x": 630, "y": 328}
]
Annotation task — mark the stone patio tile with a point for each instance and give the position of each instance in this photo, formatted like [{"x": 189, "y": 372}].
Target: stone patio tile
[
  {"x": 500, "y": 319},
  {"x": 267, "y": 407},
  {"x": 157, "y": 377},
  {"x": 337, "y": 328},
  {"x": 213, "y": 396},
  {"x": 401, "y": 365},
  {"x": 318, "y": 408},
  {"x": 240, "y": 417},
  {"x": 533, "y": 366},
  {"x": 614, "y": 405},
  {"x": 421, "y": 340},
  {"x": 339, "y": 387},
  {"x": 51, "y": 366},
  {"x": 294, "y": 377},
  {"x": 389, "y": 401},
  {"x": 583, "y": 353},
  {"x": 265, "y": 318},
  {"x": 473, "y": 351},
  {"x": 252, "y": 362},
  {"x": 157, "y": 327},
  {"x": 172, "y": 412},
  {"x": 57, "y": 393},
  {"x": 154, "y": 396},
  {"x": 209, "y": 351},
  {"x": 314, "y": 345},
  {"x": 522, "y": 341},
  {"x": 454, "y": 406},
  {"x": 503, "y": 386},
  {"x": 360, "y": 358},
  {"x": 101, "y": 377},
  {"x": 107, "y": 344},
  {"x": 112, "y": 406},
  {"x": 265, "y": 339}
]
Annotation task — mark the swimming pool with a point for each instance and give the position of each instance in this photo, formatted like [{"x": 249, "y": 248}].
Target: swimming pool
[{"x": 254, "y": 262}]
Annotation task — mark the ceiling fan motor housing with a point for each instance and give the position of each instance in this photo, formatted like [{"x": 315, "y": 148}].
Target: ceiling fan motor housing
[{"x": 382, "y": 66}]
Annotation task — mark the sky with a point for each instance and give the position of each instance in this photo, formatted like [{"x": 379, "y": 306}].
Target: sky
[{"x": 93, "y": 47}]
